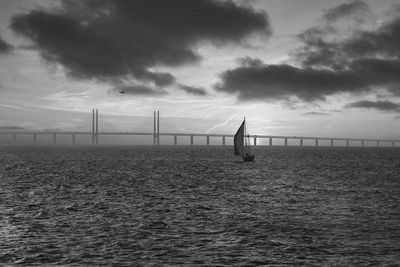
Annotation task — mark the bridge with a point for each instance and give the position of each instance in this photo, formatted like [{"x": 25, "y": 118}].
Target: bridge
[{"x": 95, "y": 135}]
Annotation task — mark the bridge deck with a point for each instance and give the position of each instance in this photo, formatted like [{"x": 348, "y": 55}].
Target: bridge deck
[{"x": 192, "y": 135}]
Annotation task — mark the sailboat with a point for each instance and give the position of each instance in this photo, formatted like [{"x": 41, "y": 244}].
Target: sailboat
[{"x": 241, "y": 143}]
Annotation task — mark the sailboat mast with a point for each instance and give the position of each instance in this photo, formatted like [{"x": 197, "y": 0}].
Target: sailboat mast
[
  {"x": 245, "y": 140},
  {"x": 244, "y": 134}
]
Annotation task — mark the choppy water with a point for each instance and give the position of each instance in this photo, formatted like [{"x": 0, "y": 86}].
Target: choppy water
[{"x": 133, "y": 206}]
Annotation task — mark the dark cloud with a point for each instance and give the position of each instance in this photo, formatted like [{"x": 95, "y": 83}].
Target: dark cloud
[
  {"x": 322, "y": 49},
  {"x": 5, "y": 47},
  {"x": 11, "y": 128},
  {"x": 250, "y": 62},
  {"x": 138, "y": 90},
  {"x": 378, "y": 72},
  {"x": 352, "y": 8},
  {"x": 383, "y": 42},
  {"x": 324, "y": 44},
  {"x": 200, "y": 91},
  {"x": 314, "y": 113},
  {"x": 283, "y": 81},
  {"x": 318, "y": 52},
  {"x": 113, "y": 39},
  {"x": 378, "y": 105},
  {"x": 356, "y": 64}
]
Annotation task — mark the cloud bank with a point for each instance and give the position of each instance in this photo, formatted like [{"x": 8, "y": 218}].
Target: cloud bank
[
  {"x": 5, "y": 47},
  {"x": 356, "y": 9},
  {"x": 200, "y": 91},
  {"x": 125, "y": 40},
  {"x": 377, "y": 105},
  {"x": 283, "y": 81},
  {"x": 329, "y": 62}
]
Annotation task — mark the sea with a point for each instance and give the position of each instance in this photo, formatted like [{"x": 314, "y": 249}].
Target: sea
[{"x": 199, "y": 206}]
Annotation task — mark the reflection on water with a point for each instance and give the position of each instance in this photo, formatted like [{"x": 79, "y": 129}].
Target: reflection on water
[{"x": 199, "y": 206}]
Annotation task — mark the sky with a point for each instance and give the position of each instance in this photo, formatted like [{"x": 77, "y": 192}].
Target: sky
[{"x": 326, "y": 68}]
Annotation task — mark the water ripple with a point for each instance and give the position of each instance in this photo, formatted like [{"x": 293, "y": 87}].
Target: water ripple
[{"x": 130, "y": 206}]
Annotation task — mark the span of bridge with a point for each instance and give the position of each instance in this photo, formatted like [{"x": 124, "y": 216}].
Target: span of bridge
[
  {"x": 255, "y": 138},
  {"x": 95, "y": 134}
]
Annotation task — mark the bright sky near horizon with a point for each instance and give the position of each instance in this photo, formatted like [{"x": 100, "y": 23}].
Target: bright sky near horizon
[{"x": 291, "y": 67}]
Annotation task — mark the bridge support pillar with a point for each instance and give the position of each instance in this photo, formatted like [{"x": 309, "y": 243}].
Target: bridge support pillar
[
  {"x": 208, "y": 140},
  {"x": 191, "y": 140},
  {"x": 97, "y": 126},
  {"x": 154, "y": 127},
  {"x": 301, "y": 141},
  {"x": 223, "y": 140},
  {"x": 362, "y": 143},
  {"x": 316, "y": 142},
  {"x": 347, "y": 142},
  {"x": 332, "y": 142},
  {"x": 270, "y": 141},
  {"x": 255, "y": 140},
  {"x": 378, "y": 143},
  {"x": 285, "y": 141},
  {"x": 158, "y": 127},
  {"x": 175, "y": 140}
]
